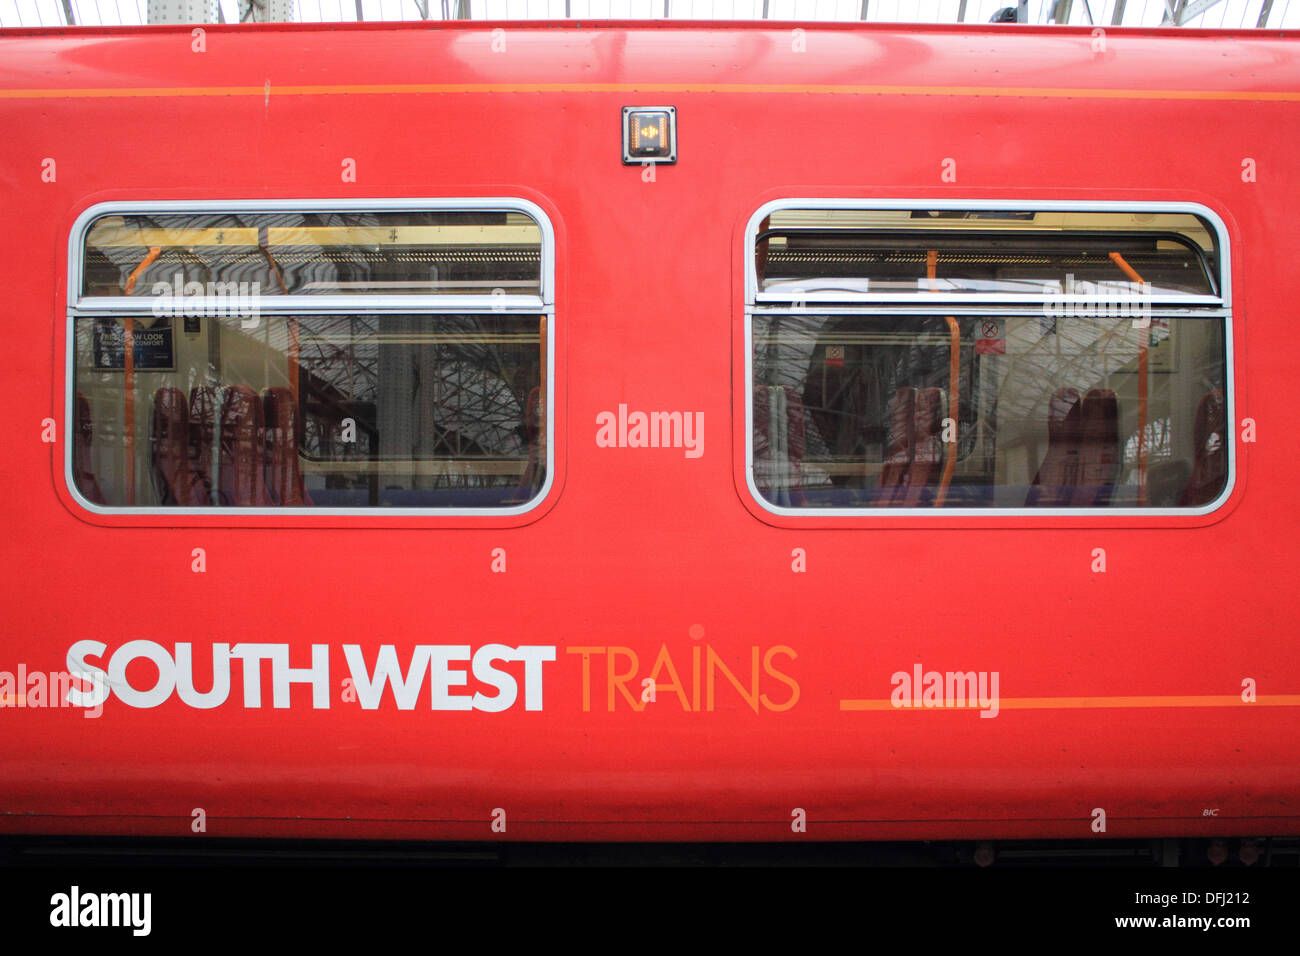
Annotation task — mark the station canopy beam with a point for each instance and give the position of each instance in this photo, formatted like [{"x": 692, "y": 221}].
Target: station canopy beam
[
  {"x": 182, "y": 11},
  {"x": 1194, "y": 9},
  {"x": 266, "y": 11}
]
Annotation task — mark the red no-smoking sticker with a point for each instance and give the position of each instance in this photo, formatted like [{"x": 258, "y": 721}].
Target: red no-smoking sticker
[{"x": 990, "y": 337}]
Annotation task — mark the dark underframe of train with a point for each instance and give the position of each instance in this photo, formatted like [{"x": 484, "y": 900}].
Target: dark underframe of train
[{"x": 1212, "y": 852}]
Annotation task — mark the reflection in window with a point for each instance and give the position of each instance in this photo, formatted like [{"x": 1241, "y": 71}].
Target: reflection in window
[
  {"x": 336, "y": 411},
  {"x": 291, "y": 253},
  {"x": 824, "y": 252},
  {"x": 850, "y": 410},
  {"x": 987, "y": 358}
]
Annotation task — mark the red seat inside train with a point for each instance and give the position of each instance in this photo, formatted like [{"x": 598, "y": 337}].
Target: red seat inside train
[
  {"x": 255, "y": 465},
  {"x": 914, "y": 449},
  {"x": 927, "y": 451},
  {"x": 900, "y": 446},
  {"x": 83, "y": 469},
  {"x": 1210, "y": 460},
  {"x": 532, "y": 428},
  {"x": 1083, "y": 453},
  {"x": 173, "y": 473},
  {"x": 284, "y": 430}
]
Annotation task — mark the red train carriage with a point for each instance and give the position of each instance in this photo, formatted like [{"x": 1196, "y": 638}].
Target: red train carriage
[{"x": 545, "y": 432}]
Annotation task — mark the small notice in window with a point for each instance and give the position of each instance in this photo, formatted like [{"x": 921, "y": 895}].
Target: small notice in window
[
  {"x": 990, "y": 337},
  {"x": 834, "y": 356},
  {"x": 153, "y": 351}
]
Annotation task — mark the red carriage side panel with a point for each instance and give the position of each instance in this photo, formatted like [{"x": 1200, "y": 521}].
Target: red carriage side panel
[{"x": 406, "y": 671}]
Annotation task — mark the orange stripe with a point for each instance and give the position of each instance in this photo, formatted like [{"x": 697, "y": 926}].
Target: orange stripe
[
  {"x": 1001, "y": 92},
  {"x": 1073, "y": 703},
  {"x": 1035, "y": 703}
]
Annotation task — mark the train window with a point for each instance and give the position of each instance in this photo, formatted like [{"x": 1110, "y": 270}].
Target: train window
[
  {"x": 978, "y": 359},
  {"x": 299, "y": 358},
  {"x": 407, "y": 252}
]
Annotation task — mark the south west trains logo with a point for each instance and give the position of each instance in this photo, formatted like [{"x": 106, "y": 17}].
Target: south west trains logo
[
  {"x": 438, "y": 673},
  {"x": 490, "y": 677}
]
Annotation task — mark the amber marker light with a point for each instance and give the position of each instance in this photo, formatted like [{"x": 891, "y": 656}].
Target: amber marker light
[{"x": 649, "y": 135}]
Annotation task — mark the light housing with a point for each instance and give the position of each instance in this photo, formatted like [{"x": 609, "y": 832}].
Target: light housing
[{"x": 649, "y": 135}]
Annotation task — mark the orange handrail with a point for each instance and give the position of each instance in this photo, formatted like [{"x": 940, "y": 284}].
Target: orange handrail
[
  {"x": 954, "y": 379},
  {"x": 1129, "y": 271},
  {"x": 145, "y": 263}
]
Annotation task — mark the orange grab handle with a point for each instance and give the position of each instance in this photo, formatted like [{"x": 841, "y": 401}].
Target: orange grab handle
[{"x": 145, "y": 263}]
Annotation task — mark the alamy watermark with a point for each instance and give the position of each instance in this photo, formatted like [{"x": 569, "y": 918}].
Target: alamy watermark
[
  {"x": 1084, "y": 299},
  {"x": 960, "y": 689},
  {"x": 54, "y": 689},
  {"x": 211, "y": 299},
  {"x": 77, "y": 908}
]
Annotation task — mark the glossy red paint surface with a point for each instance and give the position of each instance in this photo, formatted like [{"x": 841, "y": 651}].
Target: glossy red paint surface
[{"x": 645, "y": 550}]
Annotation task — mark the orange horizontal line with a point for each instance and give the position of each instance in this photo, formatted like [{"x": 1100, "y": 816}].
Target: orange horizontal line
[
  {"x": 1022, "y": 703},
  {"x": 768, "y": 88},
  {"x": 1071, "y": 703}
]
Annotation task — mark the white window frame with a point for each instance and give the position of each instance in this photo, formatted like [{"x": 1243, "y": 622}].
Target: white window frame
[
  {"x": 82, "y": 306},
  {"x": 976, "y": 303}
]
